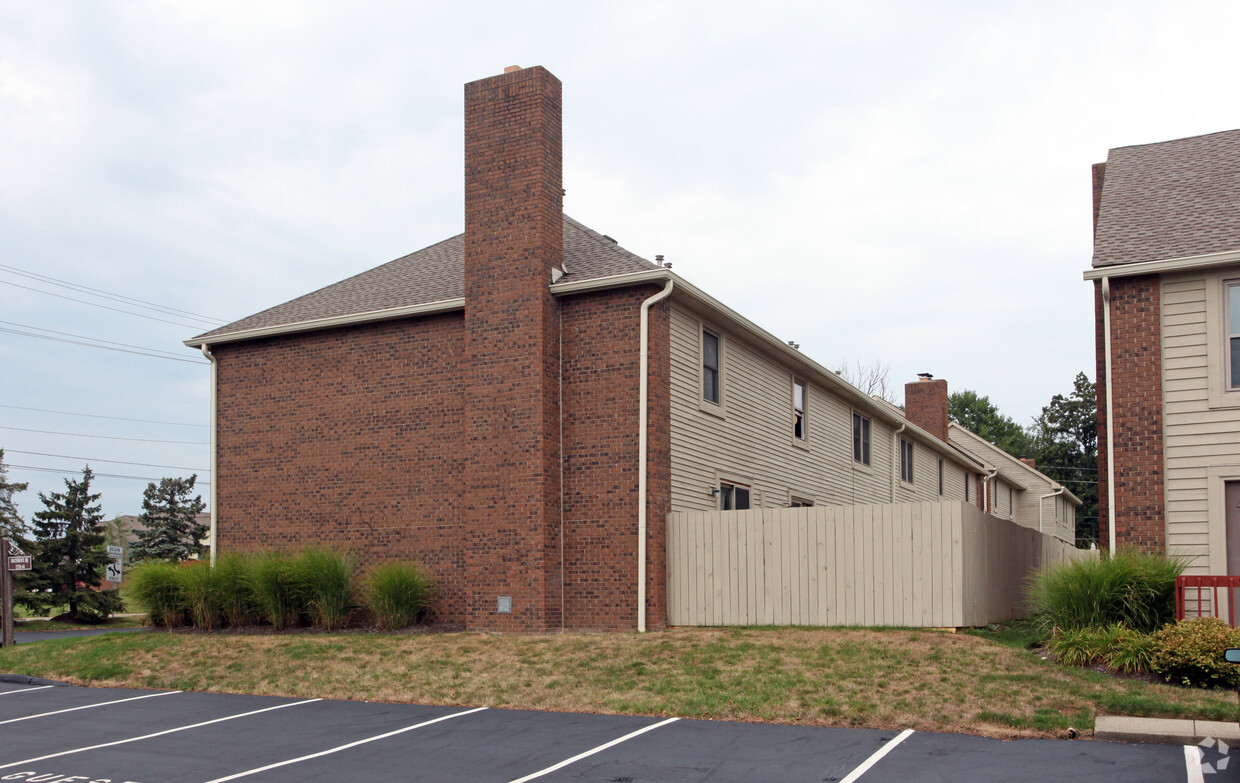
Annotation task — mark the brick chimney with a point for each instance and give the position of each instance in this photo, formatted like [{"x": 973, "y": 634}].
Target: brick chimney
[
  {"x": 1099, "y": 176},
  {"x": 1030, "y": 461},
  {"x": 513, "y": 239},
  {"x": 925, "y": 404}
]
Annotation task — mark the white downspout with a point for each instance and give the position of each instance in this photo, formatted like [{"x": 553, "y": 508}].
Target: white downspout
[
  {"x": 1056, "y": 493},
  {"x": 986, "y": 503},
  {"x": 895, "y": 446},
  {"x": 206, "y": 351},
  {"x": 643, "y": 416},
  {"x": 1106, "y": 342}
]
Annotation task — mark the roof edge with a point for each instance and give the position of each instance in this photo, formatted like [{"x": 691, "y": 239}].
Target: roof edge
[
  {"x": 426, "y": 308},
  {"x": 1162, "y": 266},
  {"x": 1013, "y": 460}
]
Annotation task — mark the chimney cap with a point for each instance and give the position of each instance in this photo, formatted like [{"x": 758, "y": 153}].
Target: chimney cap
[
  {"x": 925, "y": 376},
  {"x": 512, "y": 68}
]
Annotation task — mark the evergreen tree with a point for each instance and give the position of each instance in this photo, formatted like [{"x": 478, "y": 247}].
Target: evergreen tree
[
  {"x": 11, "y": 524},
  {"x": 69, "y": 557},
  {"x": 980, "y": 416},
  {"x": 1065, "y": 444},
  {"x": 170, "y": 518}
]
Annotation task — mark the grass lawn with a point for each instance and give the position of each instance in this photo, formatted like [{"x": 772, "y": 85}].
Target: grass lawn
[
  {"x": 890, "y": 679},
  {"x": 64, "y": 625}
]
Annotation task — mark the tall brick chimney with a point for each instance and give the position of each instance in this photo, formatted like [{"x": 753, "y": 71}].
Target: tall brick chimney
[
  {"x": 925, "y": 404},
  {"x": 513, "y": 238}
]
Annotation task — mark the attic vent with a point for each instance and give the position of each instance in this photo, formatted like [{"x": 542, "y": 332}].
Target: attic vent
[
  {"x": 794, "y": 344},
  {"x": 609, "y": 239}
]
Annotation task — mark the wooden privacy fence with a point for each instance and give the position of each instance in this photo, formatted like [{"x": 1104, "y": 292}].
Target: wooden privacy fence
[{"x": 909, "y": 564}]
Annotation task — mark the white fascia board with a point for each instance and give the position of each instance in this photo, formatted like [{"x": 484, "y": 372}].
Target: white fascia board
[
  {"x": 810, "y": 368},
  {"x": 1165, "y": 266},
  {"x": 426, "y": 308}
]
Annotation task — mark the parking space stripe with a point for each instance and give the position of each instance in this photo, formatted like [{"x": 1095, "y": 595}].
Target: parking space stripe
[
  {"x": 1192, "y": 764},
  {"x": 346, "y": 746},
  {"x": 86, "y": 707},
  {"x": 878, "y": 754},
  {"x": 156, "y": 734},
  {"x": 26, "y": 690},
  {"x": 592, "y": 751}
]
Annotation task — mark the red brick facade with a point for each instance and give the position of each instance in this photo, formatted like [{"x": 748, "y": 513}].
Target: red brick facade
[
  {"x": 1136, "y": 361},
  {"x": 925, "y": 404}
]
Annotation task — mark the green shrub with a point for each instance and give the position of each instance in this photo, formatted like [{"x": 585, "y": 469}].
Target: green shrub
[
  {"x": 1117, "y": 646},
  {"x": 1131, "y": 651},
  {"x": 325, "y": 579},
  {"x": 273, "y": 581},
  {"x": 157, "y": 585},
  {"x": 1133, "y": 588},
  {"x": 396, "y": 593},
  {"x": 200, "y": 590},
  {"x": 237, "y": 603},
  {"x": 1190, "y": 652}
]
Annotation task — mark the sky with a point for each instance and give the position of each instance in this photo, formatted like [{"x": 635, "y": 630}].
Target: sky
[{"x": 897, "y": 182}]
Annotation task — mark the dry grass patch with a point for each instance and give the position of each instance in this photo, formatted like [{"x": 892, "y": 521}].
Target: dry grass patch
[{"x": 835, "y": 677}]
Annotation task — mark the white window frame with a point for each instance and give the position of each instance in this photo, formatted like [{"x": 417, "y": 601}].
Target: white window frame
[
  {"x": 714, "y": 408},
  {"x": 801, "y": 440},
  {"x": 865, "y": 424},
  {"x": 727, "y": 495},
  {"x": 941, "y": 476},
  {"x": 1221, "y": 394},
  {"x": 906, "y": 462}
]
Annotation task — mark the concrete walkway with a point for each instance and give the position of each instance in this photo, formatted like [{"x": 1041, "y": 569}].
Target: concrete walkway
[{"x": 1169, "y": 731}]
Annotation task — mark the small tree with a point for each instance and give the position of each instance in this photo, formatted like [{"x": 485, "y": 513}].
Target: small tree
[
  {"x": 170, "y": 517},
  {"x": 69, "y": 557},
  {"x": 11, "y": 524}
]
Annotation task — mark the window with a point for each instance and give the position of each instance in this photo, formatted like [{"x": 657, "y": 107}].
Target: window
[
  {"x": 1233, "y": 335},
  {"x": 861, "y": 439},
  {"x": 798, "y": 410},
  {"x": 797, "y": 502},
  {"x": 710, "y": 367},
  {"x": 906, "y": 460},
  {"x": 940, "y": 477},
  {"x": 966, "y": 486},
  {"x": 733, "y": 497},
  {"x": 1009, "y": 498}
]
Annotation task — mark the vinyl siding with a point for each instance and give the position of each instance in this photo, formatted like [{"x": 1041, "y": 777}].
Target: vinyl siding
[
  {"x": 752, "y": 441},
  {"x": 1197, "y": 438}
]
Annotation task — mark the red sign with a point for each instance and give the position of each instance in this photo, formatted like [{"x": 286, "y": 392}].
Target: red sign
[{"x": 20, "y": 563}]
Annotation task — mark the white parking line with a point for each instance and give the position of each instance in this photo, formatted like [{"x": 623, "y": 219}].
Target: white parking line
[
  {"x": 1192, "y": 764},
  {"x": 25, "y": 690},
  {"x": 592, "y": 751},
  {"x": 86, "y": 707},
  {"x": 339, "y": 748},
  {"x": 878, "y": 754},
  {"x": 156, "y": 734}
]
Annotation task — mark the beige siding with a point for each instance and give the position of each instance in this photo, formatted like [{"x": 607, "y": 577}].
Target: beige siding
[
  {"x": 752, "y": 441},
  {"x": 1201, "y": 443},
  {"x": 912, "y": 565}
]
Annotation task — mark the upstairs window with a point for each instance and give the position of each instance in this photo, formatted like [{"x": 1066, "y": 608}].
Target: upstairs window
[
  {"x": 1233, "y": 335},
  {"x": 733, "y": 497},
  {"x": 906, "y": 460},
  {"x": 861, "y": 439},
  {"x": 967, "y": 480},
  {"x": 940, "y": 477},
  {"x": 710, "y": 367},
  {"x": 798, "y": 410}
]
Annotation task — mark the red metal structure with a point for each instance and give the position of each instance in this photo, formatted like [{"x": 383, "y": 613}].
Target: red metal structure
[{"x": 1184, "y": 584}]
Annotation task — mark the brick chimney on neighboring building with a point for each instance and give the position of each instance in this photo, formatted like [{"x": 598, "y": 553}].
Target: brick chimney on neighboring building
[
  {"x": 513, "y": 239},
  {"x": 925, "y": 404}
]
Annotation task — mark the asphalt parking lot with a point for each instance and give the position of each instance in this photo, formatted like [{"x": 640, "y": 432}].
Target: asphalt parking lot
[{"x": 63, "y": 734}]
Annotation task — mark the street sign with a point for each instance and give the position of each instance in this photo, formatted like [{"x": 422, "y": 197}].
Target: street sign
[
  {"x": 20, "y": 563},
  {"x": 113, "y": 551},
  {"x": 114, "y": 571}
]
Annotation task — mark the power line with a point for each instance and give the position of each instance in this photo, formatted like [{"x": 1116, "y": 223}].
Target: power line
[
  {"x": 108, "y": 437},
  {"x": 99, "y": 475},
  {"x": 151, "y": 352},
  {"x": 103, "y": 307},
  {"x": 105, "y": 295},
  {"x": 113, "y": 461},
  {"x": 95, "y": 339},
  {"x": 97, "y": 416}
]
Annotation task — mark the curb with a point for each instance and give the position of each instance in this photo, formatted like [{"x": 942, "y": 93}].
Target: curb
[
  {"x": 23, "y": 679},
  {"x": 1167, "y": 731}
]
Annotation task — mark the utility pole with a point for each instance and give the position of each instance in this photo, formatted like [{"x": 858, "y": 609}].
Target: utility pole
[{"x": 6, "y": 595}]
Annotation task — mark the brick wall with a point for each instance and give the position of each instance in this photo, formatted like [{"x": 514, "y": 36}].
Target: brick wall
[
  {"x": 513, "y": 239},
  {"x": 348, "y": 437},
  {"x": 1136, "y": 361},
  {"x": 600, "y": 398},
  {"x": 925, "y": 404}
]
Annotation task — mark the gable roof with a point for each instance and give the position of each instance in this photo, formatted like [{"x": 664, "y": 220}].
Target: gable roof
[
  {"x": 1173, "y": 199},
  {"x": 435, "y": 274},
  {"x": 1009, "y": 467}
]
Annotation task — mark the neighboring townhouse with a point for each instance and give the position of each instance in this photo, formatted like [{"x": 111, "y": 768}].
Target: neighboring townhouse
[
  {"x": 521, "y": 406},
  {"x": 1166, "y": 275}
]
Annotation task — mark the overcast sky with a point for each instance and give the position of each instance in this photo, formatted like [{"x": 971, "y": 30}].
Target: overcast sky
[{"x": 907, "y": 182}]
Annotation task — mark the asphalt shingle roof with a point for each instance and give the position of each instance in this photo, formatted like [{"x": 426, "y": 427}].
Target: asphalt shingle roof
[
  {"x": 1170, "y": 200},
  {"x": 433, "y": 274}
]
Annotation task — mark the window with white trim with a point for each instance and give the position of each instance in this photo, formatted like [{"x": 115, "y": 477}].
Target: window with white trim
[
  {"x": 798, "y": 410},
  {"x": 940, "y": 477},
  {"x": 906, "y": 460},
  {"x": 710, "y": 367},
  {"x": 1233, "y": 335},
  {"x": 733, "y": 497},
  {"x": 861, "y": 439}
]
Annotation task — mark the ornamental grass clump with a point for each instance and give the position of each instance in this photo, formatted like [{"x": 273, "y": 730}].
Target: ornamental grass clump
[
  {"x": 157, "y": 586},
  {"x": 273, "y": 580},
  {"x": 324, "y": 578},
  {"x": 201, "y": 593},
  {"x": 1190, "y": 652},
  {"x": 237, "y": 604},
  {"x": 396, "y": 593},
  {"x": 1134, "y": 588},
  {"x": 1115, "y": 645}
]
